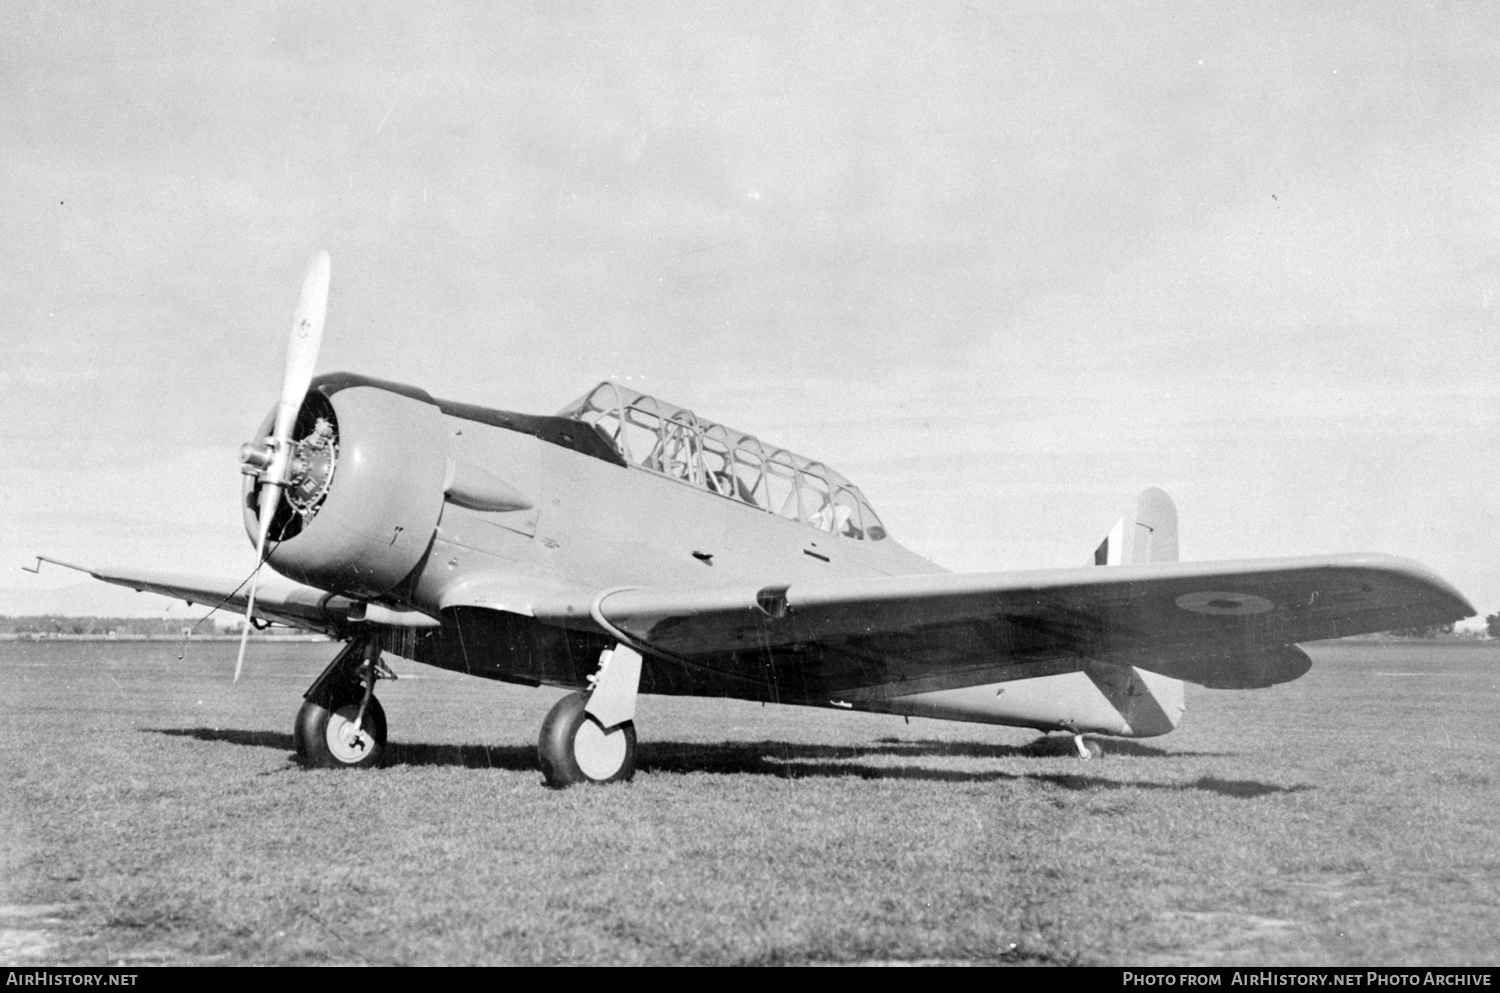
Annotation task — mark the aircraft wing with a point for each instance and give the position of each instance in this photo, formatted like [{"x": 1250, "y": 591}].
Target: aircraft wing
[
  {"x": 1221, "y": 624},
  {"x": 291, "y": 604}
]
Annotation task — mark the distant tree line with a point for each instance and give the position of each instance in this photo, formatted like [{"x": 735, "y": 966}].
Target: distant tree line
[
  {"x": 137, "y": 627},
  {"x": 1430, "y": 631},
  {"x": 1491, "y": 629}
]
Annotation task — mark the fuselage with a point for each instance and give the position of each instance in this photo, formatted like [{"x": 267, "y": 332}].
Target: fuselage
[
  {"x": 575, "y": 515},
  {"x": 600, "y": 524}
]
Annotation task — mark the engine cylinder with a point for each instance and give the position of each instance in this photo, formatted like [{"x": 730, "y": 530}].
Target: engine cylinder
[{"x": 384, "y": 494}]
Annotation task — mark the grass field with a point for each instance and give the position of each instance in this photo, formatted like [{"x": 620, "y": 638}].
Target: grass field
[{"x": 150, "y": 813}]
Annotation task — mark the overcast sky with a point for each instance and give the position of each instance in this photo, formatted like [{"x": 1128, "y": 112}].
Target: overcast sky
[{"x": 1001, "y": 264}]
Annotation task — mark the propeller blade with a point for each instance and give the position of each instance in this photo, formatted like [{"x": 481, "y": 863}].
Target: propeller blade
[
  {"x": 239, "y": 661},
  {"x": 269, "y": 495},
  {"x": 302, "y": 347},
  {"x": 303, "y": 344}
]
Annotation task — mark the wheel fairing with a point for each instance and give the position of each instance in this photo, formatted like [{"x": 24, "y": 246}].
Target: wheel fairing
[{"x": 600, "y": 754}]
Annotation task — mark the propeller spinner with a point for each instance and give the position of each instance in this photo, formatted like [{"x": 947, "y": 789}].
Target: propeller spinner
[{"x": 271, "y": 458}]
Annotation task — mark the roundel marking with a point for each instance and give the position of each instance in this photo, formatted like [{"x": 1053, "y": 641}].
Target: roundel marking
[{"x": 1222, "y": 604}]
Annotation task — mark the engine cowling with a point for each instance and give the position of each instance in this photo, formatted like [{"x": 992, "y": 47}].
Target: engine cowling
[{"x": 365, "y": 489}]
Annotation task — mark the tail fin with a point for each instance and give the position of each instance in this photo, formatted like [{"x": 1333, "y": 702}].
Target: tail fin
[
  {"x": 1155, "y": 528},
  {"x": 1151, "y": 537},
  {"x": 1151, "y": 703}
]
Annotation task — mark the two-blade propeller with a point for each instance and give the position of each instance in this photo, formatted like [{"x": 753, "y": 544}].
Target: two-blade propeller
[{"x": 272, "y": 459}]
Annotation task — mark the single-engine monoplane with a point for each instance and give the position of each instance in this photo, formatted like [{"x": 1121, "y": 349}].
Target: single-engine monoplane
[{"x": 625, "y": 546}]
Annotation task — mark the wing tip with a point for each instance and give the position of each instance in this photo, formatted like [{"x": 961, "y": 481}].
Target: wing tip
[
  {"x": 58, "y": 562},
  {"x": 1417, "y": 572}
]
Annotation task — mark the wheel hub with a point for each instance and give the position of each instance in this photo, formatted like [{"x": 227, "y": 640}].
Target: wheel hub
[{"x": 345, "y": 742}]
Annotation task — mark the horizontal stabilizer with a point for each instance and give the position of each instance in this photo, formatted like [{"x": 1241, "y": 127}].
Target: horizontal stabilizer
[{"x": 1237, "y": 670}]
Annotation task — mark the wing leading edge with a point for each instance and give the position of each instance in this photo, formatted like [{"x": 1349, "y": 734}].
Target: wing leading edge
[
  {"x": 1219, "y": 624},
  {"x": 291, "y": 604}
]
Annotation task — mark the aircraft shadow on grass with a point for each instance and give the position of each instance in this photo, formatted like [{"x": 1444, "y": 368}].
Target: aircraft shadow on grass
[
  {"x": 258, "y": 739},
  {"x": 785, "y": 760}
]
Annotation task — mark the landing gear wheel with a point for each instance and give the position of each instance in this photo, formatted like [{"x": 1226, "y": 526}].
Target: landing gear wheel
[
  {"x": 575, "y": 748},
  {"x": 326, "y": 738}
]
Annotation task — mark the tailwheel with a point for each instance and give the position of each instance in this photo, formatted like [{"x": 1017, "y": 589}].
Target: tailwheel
[
  {"x": 337, "y": 737},
  {"x": 575, "y": 748},
  {"x": 1087, "y": 748}
]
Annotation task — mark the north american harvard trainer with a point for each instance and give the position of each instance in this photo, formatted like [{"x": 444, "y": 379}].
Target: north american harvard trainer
[{"x": 625, "y": 546}]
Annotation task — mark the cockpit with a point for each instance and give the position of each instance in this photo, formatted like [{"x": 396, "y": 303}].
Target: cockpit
[{"x": 673, "y": 442}]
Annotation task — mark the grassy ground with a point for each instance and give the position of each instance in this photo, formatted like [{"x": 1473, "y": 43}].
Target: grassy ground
[{"x": 149, "y": 813}]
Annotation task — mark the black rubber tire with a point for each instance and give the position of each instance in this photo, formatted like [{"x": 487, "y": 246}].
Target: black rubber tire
[
  {"x": 609, "y": 756},
  {"x": 322, "y": 739}
]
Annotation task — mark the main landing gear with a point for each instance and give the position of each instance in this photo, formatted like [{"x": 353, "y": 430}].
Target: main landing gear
[
  {"x": 341, "y": 725},
  {"x": 589, "y": 736}
]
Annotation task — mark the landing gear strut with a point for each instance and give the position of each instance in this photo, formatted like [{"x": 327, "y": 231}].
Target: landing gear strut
[
  {"x": 341, "y": 725},
  {"x": 589, "y": 736}
]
